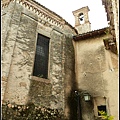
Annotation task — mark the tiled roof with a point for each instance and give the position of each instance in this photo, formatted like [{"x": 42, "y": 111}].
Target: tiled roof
[{"x": 90, "y": 34}]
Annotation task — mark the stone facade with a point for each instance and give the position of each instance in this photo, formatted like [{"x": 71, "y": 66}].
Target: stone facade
[{"x": 21, "y": 23}]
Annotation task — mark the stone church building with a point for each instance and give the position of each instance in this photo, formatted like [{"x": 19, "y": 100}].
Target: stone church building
[{"x": 47, "y": 61}]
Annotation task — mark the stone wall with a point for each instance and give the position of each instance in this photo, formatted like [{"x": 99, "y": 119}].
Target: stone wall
[
  {"x": 22, "y": 36},
  {"x": 115, "y": 6},
  {"x": 8, "y": 39},
  {"x": 29, "y": 112},
  {"x": 112, "y": 9}
]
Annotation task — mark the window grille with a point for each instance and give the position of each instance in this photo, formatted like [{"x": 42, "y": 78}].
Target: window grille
[{"x": 41, "y": 57}]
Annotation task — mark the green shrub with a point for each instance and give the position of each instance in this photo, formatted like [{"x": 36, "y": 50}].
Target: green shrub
[{"x": 105, "y": 116}]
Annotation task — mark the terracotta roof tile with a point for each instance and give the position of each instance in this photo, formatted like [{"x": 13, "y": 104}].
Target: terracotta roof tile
[{"x": 90, "y": 34}]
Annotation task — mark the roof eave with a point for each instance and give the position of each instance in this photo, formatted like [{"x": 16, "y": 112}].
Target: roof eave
[{"x": 90, "y": 34}]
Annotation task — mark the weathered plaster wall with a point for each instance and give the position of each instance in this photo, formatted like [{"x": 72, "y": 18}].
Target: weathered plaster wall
[
  {"x": 22, "y": 57},
  {"x": 40, "y": 92},
  {"x": 18, "y": 59},
  {"x": 5, "y": 29},
  {"x": 115, "y": 8},
  {"x": 83, "y": 28},
  {"x": 9, "y": 32},
  {"x": 112, "y": 9},
  {"x": 111, "y": 76},
  {"x": 69, "y": 82},
  {"x": 96, "y": 73},
  {"x": 57, "y": 69}
]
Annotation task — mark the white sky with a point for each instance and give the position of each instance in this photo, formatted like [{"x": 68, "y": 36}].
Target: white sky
[{"x": 64, "y": 8}]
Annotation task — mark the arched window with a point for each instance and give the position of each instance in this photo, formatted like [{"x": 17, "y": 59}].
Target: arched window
[{"x": 81, "y": 18}]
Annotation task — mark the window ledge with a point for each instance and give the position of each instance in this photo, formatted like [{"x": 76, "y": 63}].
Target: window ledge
[
  {"x": 98, "y": 118},
  {"x": 39, "y": 79}
]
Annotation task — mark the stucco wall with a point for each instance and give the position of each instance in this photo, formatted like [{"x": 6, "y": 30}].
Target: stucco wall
[
  {"x": 97, "y": 72},
  {"x": 115, "y": 8}
]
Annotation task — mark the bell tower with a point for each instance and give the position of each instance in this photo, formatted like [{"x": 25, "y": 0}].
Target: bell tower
[{"x": 82, "y": 23}]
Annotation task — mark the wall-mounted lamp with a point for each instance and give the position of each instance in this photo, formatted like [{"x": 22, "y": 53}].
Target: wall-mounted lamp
[{"x": 87, "y": 97}]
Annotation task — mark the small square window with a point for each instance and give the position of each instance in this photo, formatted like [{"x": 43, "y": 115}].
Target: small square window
[{"x": 101, "y": 108}]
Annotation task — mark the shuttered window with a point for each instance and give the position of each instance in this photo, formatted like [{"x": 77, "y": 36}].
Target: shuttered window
[{"x": 41, "y": 57}]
